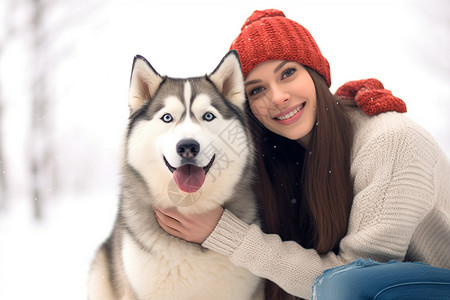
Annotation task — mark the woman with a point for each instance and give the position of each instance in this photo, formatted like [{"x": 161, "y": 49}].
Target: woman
[{"x": 340, "y": 186}]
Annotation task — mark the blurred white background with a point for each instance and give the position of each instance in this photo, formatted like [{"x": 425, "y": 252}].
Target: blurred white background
[{"x": 64, "y": 74}]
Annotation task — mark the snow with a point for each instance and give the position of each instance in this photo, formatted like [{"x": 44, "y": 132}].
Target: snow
[
  {"x": 51, "y": 259},
  {"x": 405, "y": 44}
]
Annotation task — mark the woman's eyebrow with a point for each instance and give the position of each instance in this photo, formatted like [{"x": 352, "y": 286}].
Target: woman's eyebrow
[
  {"x": 280, "y": 66},
  {"x": 252, "y": 82},
  {"x": 274, "y": 71}
]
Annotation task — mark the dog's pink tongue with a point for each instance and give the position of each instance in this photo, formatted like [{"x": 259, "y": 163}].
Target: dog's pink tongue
[{"x": 189, "y": 178}]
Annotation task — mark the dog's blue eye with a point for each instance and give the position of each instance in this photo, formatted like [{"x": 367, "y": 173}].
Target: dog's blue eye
[
  {"x": 208, "y": 117},
  {"x": 167, "y": 118}
]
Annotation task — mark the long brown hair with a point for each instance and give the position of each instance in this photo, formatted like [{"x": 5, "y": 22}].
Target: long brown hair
[{"x": 306, "y": 194}]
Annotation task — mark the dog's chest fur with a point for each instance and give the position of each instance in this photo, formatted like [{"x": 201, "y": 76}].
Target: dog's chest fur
[{"x": 172, "y": 271}]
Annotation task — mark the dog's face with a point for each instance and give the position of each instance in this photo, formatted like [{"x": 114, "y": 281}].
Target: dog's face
[{"x": 187, "y": 137}]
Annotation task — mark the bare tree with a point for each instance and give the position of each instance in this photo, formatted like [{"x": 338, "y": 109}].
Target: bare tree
[
  {"x": 3, "y": 185},
  {"x": 3, "y": 182},
  {"x": 7, "y": 32},
  {"x": 39, "y": 139},
  {"x": 44, "y": 57},
  {"x": 33, "y": 24}
]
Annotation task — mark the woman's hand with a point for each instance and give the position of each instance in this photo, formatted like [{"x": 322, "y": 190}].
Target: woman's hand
[{"x": 192, "y": 228}]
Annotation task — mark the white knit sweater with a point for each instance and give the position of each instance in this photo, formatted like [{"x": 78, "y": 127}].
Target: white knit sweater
[{"x": 401, "y": 210}]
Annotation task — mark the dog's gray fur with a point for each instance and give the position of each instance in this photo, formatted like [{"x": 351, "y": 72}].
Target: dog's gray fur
[{"x": 141, "y": 261}]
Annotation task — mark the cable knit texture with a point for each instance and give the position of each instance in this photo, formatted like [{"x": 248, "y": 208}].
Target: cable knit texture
[
  {"x": 401, "y": 210},
  {"x": 227, "y": 234}
]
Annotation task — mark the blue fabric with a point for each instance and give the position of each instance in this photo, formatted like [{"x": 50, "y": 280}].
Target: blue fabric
[{"x": 366, "y": 279}]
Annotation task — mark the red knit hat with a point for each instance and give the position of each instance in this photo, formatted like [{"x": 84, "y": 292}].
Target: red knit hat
[{"x": 269, "y": 35}]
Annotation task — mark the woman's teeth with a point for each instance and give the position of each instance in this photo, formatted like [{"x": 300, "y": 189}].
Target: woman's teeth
[{"x": 291, "y": 114}]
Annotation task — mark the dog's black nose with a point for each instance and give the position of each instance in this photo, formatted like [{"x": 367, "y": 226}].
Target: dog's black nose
[{"x": 188, "y": 148}]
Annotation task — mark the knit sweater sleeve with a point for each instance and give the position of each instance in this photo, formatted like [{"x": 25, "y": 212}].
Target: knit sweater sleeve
[
  {"x": 393, "y": 168},
  {"x": 289, "y": 265},
  {"x": 392, "y": 171}
]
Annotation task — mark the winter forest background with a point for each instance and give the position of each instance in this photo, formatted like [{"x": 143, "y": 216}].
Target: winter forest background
[{"x": 64, "y": 74}]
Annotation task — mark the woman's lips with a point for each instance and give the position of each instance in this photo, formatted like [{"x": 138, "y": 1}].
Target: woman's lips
[{"x": 290, "y": 115}]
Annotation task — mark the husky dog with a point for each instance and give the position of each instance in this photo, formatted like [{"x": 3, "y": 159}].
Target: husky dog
[{"x": 186, "y": 146}]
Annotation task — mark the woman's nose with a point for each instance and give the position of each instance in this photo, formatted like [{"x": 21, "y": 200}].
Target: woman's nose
[{"x": 279, "y": 96}]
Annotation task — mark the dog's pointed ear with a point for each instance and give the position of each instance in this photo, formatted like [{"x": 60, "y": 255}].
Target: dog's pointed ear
[
  {"x": 229, "y": 80},
  {"x": 144, "y": 83}
]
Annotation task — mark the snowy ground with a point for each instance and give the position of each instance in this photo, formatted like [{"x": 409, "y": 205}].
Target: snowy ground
[{"x": 50, "y": 259}]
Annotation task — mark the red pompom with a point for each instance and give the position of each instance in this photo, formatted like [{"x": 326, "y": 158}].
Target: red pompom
[{"x": 259, "y": 14}]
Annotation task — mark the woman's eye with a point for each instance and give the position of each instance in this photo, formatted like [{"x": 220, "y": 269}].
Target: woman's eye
[
  {"x": 287, "y": 73},
  {"x": 209, "y": 116},
  {"x": 167, "y": 118},
  {"x": 256, "y": 91}
]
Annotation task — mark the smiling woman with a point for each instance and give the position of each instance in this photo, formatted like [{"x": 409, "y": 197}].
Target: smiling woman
[{"x": 280, "y": 93}]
